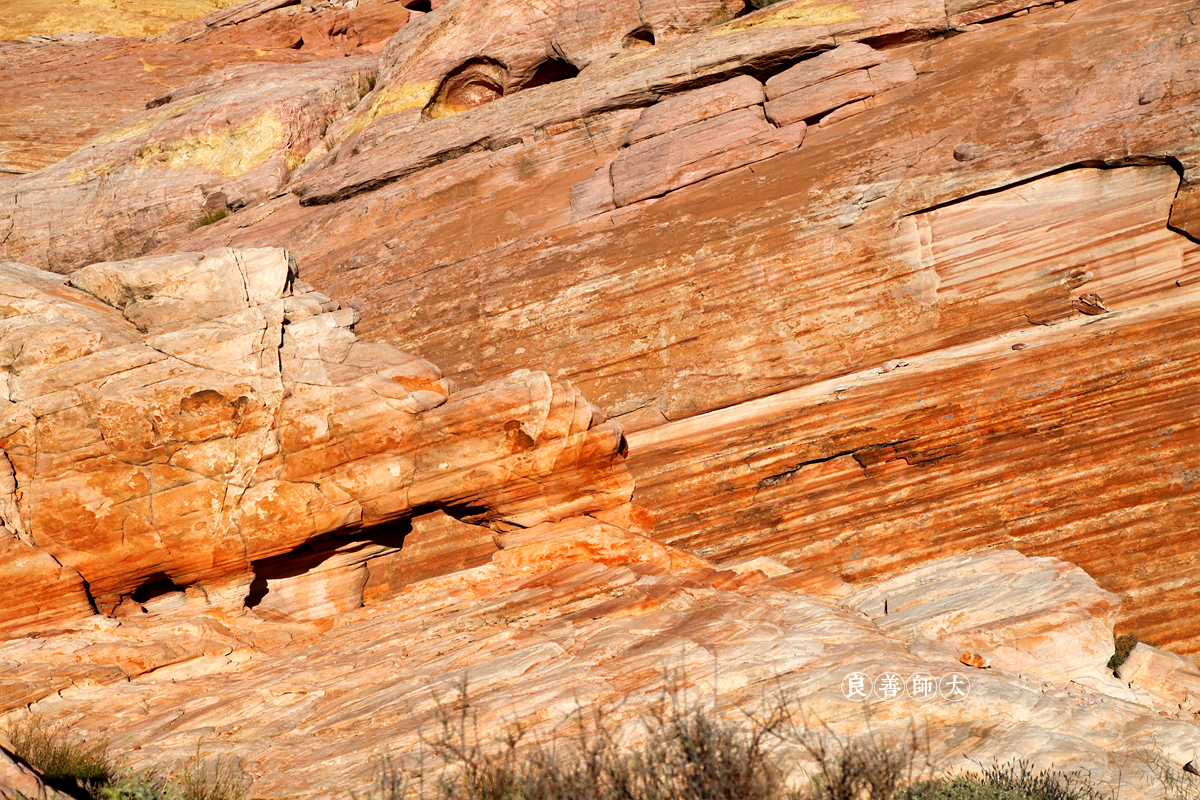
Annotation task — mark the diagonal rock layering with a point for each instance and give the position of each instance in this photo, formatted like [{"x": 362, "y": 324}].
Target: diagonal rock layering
[
  {"x": 1037, "y": 169},
  {"x": 1068, "y": 439},
  {"x": 722, "y": 230},
  {"x": 181, "y": 419},
  {"x": 583, "y": 614}
]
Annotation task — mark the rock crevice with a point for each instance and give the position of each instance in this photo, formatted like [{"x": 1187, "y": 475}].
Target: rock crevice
[{"x": 194, "y": 414}]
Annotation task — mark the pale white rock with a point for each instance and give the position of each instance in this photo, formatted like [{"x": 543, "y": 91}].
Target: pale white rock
[
  {"x": 1037, "y": 616},
  {"x": 1171, "y": 680}
]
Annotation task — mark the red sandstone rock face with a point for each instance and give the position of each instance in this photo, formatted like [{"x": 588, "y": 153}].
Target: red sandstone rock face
[
  {"x": 321, "y": 27},
  {"x": 186, "y": 419},
  {"x": 1029, "y": 173},
  {"x": 60, "y": 94},
  {"x": 873, "y": 285}
]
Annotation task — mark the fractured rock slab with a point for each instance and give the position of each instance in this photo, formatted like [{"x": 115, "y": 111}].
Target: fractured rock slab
[
  {"x": 827, "y": 95},
  {"x": 1171, "y": 679},
  {"x": 186, "y": 417},
  {"x": 657, "y": 165}
]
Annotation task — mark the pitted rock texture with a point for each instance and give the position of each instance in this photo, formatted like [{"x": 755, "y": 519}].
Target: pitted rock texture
[
  {"x": 183, "y": 418},
  {"x": 569, "y": 615}
]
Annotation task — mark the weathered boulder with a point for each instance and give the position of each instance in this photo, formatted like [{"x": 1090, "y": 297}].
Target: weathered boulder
[
  {"x": 1171, "y": 680},
  {"x": 184, "y": 418}
]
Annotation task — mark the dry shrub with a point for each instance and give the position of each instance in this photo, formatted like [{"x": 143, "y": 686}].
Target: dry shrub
[{"x": 65, "y": 761}]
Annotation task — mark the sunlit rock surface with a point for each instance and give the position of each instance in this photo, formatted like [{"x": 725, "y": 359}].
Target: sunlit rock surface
[
  {"x": 575, "y": 614},
  {"x": 183, "y": 419},
  {"x": 896, "y": 301},
  {"x": 1025, "y": 183}
]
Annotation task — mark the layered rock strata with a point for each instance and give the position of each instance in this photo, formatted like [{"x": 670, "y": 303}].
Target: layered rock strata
[
  {"x": 1068, "y": 439},
  {"x": 180, "y": 421},
  {"x": 925, "y": 219},
  {"x": 580, "y": 614}
]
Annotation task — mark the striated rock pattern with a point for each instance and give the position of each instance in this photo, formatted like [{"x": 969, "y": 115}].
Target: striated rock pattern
[
  {"x": 1051, "y": 439},
  {"x": 183, "y": 419},
  {"x": 1018, "y": 178},
  {"x": 896, "y": 300},
  {"x": 582, "y": 614}
]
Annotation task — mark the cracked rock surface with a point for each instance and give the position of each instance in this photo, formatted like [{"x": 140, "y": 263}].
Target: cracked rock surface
[
  {"x": 582, "y": 613},
  {"x": 892, "y": 302},
  {"x": 181, "y": 417}
]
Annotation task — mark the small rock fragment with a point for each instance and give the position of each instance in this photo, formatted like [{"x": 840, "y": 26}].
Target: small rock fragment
[
  {"x": 974, "y": 660},
  {"x": 1090, "y": 304}
]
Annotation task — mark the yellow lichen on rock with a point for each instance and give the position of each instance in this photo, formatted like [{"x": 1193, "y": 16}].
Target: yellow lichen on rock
[
  {"x": 89, "y": 173},
  {"x": 232, "y": 153},
  {"x": 105, "y": 17},
  {"x": 804, "y": 12},
  {"x": 144, "y": 124},
  {"x": 395, "y": 99}
]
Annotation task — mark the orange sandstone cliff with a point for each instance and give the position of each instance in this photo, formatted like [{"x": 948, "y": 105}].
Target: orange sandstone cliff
[{"x": 355, "y": 348}]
